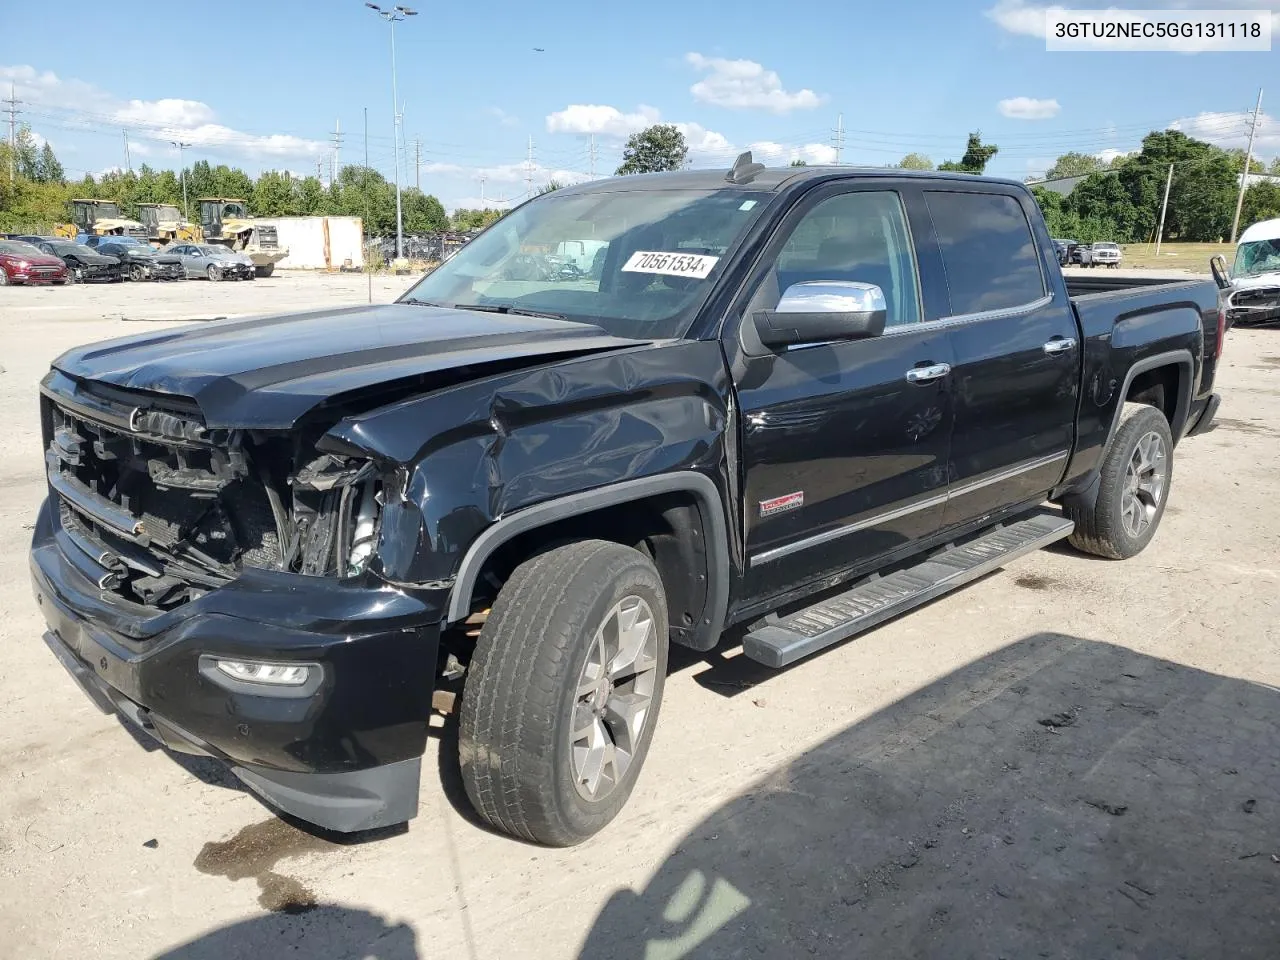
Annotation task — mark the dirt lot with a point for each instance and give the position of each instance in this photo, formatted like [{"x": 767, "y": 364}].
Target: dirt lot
[{"x": 1069, "y": 758}]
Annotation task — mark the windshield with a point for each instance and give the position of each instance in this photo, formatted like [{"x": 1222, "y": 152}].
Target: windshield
[
  {"x": 106, "y": 210},
  {"x": 19, "y": 249},
  {"x": 230, "y": 210},
  {"x": 212, "y": 251},
  {"x": 65, "y": 249},
  {"x": 638, "y": 263},
  {"x": 1259, "y": 256},
  {"x": 168, "y": 213},
  {"x": 1105, "y": 246}
]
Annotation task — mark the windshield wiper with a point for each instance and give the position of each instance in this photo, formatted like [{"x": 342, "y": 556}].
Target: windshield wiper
[
  {"x": 507, "y": 308},
  {"x": 421, "y": 303}
]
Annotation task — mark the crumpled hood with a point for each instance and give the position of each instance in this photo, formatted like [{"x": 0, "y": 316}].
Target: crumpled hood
[
  {"x": 267, "y": 372},
  {"x": 1269, "y": 279}
]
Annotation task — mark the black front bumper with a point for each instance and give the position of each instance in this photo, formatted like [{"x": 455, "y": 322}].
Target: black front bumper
[{"x": 345, "y": 755}]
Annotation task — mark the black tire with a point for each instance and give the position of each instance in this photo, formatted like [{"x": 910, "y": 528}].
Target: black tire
[
  {"x": 137, "y": 273},
  {"x": 515, "y": 742},
  {"x": 1100, "y": 529},
  {"x": 266, "y": 271}
]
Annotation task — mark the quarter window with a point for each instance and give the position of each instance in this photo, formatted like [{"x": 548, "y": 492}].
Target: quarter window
[
  {"x": 856, "y": 236},
  {"x": 988, "y": 251}
]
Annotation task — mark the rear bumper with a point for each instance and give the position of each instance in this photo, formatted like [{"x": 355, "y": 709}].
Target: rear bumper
[
  {"x": 1202, "y": 421},
  {"x": 345, "y": 754}
]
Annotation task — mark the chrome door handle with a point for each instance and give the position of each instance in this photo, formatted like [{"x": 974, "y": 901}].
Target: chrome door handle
[
  {"x": 1059, "y": 345},
  {"x": 925, "y": 374}
]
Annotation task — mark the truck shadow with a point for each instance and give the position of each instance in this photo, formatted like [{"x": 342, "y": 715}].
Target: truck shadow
[
  {"x": 327, "y": 932},
  {"x": 1060, "y": 798}
]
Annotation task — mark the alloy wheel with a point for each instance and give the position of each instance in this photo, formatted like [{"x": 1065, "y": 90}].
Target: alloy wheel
[{"x": 1145, "y": 479}]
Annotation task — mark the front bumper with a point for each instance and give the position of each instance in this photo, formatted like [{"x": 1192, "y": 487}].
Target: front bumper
[
  {"x": 38, "y": 275},
  {"x": 345, "y": 757}
]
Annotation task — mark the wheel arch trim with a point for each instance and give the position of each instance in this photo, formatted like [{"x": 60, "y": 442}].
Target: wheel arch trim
[
  {"x": 714, "y": 534},
  {"x": 1182, "y": 407}
]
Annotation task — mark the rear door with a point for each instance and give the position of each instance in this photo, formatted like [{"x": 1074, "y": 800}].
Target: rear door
[
  {"x": 1016, "y": 372},
  {"x": 844, "y": 444}
]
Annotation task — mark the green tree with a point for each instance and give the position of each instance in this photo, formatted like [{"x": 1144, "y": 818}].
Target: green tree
[
  {"x": 1202, "y": 199},
  {"x": 422, "y": 212},
  {"x": 465, "y": 219},
  {"x": 48, "y": 169},
  {"x": 915, "y": 161},
  {"x": 1274, "y": 169},
  {"x": 550, "y": 187},
  {"x": 1261, "y": 202},
  {"x": 976, "y": 156},
  {"x": 275, "y": 194},
  {"x": 312, "y": 199},
  {"x": 653, "y": 150},
  {"x": 1074, "y": 164},
  {"x": 799, "y": 163}
]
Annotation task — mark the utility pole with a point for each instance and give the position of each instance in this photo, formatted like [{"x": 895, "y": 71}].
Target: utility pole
[
  {"x": 13, "y": 102},
  {"x": 392, "y": 17},
  {"x": 837, "y": 136},
  {"x": 417, "y": 163},
  {"x": 593, "y": 155},
  {"x": 367, "y": 271},
  {"x": 128, "y": 164},
  {"x": 334, "y": 168},
  {"x": 482, "y": 193},
  {"x": 1163, "y": 207},
  {"x": 183, "y": 167},
  {"x": 528, "y": 177},
  {"x": 1244, "y": 174}
]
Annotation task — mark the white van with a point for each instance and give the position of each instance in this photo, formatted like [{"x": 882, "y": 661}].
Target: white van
[{"x": 1255, "y": 275}]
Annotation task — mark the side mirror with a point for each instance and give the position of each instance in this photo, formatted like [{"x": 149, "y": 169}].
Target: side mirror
[
  {"x": 823, "y": 310},
  {"x": 1221, "y": 275}
]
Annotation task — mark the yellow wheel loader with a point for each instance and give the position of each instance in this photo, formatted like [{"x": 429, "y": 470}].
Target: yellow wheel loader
[
  {"x": 99, "y": 218},
  {"x": 165, "y": 224},
  {"x": 226, "y": 220}
]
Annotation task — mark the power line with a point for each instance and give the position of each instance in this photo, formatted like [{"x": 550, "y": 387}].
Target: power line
[{"x": 13, "y": 102}]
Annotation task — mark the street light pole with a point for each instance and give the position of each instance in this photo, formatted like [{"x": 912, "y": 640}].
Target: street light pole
[
  {"x": 182, "y": 166},
  {"x": 392, "y": 17}
]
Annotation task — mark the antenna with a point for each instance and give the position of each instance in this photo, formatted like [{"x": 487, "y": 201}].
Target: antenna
[{"x": 744, "y": 170}]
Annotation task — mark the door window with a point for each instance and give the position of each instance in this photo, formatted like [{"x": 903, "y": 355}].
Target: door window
[
  {"x": 988, "y": 251},
  {"x": 859, "y": 236}
]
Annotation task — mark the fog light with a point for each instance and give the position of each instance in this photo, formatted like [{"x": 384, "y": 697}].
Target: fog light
[{"x": 276, "y": 674}]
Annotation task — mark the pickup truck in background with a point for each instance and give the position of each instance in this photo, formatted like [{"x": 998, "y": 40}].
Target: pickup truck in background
[
  {"x": 1104, "y": 255},
  {"x": 790, "y": 405}
]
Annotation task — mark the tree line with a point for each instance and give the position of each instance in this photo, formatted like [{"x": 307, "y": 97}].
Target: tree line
[{"x": 37, "y": 198}]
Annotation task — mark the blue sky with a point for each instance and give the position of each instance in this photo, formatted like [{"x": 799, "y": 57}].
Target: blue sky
[{"x": 906, "y": 77}]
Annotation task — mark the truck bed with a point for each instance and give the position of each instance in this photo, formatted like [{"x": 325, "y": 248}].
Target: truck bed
[{"x": 1106, "y": 281}]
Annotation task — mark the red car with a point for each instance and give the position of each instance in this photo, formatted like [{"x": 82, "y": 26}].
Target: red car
[{"x": 23, "y": 263}]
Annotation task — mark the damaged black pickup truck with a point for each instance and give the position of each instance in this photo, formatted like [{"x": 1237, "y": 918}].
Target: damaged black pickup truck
[{"x": 775, "y": 405}]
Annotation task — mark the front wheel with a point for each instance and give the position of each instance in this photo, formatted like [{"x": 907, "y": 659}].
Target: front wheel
[
  {"x": 563, "y": 692},
  {"x": 266, "y": 271},
  {"x": 213, "y": 273},
  {"x": 1136, "y": 475},
  {"x": 137, "y": 272}
]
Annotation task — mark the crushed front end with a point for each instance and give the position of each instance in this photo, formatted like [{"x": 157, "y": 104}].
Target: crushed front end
[{"x": 214, "y": 586}]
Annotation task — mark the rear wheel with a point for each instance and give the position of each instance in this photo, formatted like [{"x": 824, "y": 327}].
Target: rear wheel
[
  {"x": 1134, "y": 487},
  {"x": 563, "y": 692},
  {"x": 4, "y": 278},
  {"x": 266, "y": 271}
]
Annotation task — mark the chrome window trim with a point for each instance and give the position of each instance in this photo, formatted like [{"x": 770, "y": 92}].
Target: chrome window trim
[
  {"x": 963, "y": 319},
  {"x": 786, "y": 549}
]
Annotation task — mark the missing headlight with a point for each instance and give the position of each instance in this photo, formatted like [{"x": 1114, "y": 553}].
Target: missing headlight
[{"x": 336, "y": 511}]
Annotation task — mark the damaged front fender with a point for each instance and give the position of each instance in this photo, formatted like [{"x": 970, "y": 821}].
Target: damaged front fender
[{"x": 469, "y": 455}]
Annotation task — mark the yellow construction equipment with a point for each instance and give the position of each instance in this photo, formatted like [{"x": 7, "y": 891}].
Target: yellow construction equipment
[
  {"x": 98, "y": 218},
  {"x": 226, "y": 220},
  {"x": 165, "y": 224}
]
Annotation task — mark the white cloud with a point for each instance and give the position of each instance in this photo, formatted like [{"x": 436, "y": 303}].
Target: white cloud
[
  {"x": 607, "y": 121},
  {"x": 1106, "y": 156},
  {"x": 1229, "y": 130},
  {"x": 84, "y": 105},
  {"x": 1028, "y": 108},
  {"x": 745, "y": 85},
  {"x": 504, "y": 118}
]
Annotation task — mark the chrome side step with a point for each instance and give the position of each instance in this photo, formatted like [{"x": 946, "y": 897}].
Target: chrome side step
[{"x": 785, "y": 641}]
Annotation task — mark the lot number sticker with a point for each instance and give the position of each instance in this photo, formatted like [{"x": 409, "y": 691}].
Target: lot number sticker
[{"x": 692, "y": 265}]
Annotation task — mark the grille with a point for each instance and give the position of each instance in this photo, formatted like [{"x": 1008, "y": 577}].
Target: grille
[
  {"x": 268, "y": 237},
  {"x": 162, "y": 511}
]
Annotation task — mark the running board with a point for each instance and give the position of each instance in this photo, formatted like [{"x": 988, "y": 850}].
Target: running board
[{"x": 783, "y": 642}]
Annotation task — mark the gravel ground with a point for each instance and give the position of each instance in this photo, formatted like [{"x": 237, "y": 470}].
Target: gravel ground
[{"x": 1069, "y": 758}]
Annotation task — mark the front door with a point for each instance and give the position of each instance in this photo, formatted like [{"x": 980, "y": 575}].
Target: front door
[
  {"x": 1017, "y": 360},
  {"x": 844, "y": 444}
]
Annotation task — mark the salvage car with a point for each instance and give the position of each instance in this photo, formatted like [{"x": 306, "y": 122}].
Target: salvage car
[
  {"x": 1252, "y": 285},
  {"x": 22, "y": 263},
  {"x": 140, "y": 260},
  {"x": 84, "y": 263},
  {"x": 212, "y": 262},
  {"x": 795, "y": 402}
]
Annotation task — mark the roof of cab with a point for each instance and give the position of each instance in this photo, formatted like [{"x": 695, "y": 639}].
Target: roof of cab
[
  {"x": 1262, "y": 230},
  {"x": 768, "y": 179}
]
